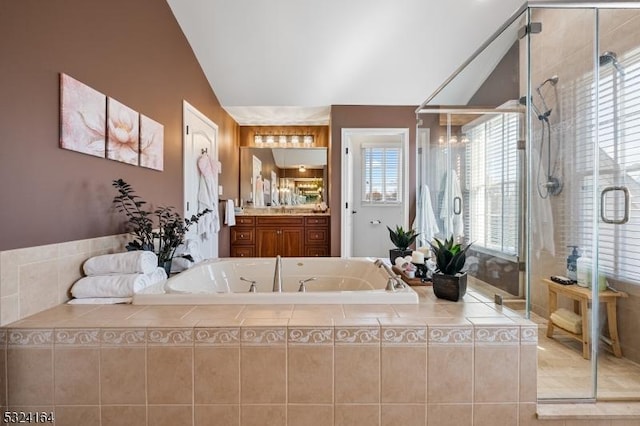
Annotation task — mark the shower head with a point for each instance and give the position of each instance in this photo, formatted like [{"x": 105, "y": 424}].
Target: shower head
[
  {"x": 611, "y": 58},
  {"x": 553, "y": 81}
]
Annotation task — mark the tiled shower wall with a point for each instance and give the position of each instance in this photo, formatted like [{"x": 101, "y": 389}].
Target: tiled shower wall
[
  {"x": 434, "y": 375},
  {"x": 565, "y": 48},
  {"x": 36, "y": 278}
]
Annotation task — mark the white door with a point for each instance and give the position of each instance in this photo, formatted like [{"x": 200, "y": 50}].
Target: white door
[
  {"x": 200, "y": 137},
  {"x": 377, "y": 191}
]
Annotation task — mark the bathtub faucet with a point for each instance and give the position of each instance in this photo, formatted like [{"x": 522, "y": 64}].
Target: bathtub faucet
[
  {"x": 277, "y": 275},
  {"x": 394, "y": 282}
]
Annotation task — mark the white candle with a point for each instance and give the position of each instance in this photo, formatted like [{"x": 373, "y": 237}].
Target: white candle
[
  {"x": 425, "y": 250},
  {"x": 417, "y": 257}
]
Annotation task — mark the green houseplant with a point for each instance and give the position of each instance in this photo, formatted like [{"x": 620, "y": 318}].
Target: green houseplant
[
  {"x": 449, "y": 282},
  {"x": 401, "y": 239},
  {"x": 163, "y": 240}
]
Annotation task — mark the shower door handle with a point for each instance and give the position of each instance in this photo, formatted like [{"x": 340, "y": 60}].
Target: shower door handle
[
  {"x": 603, "y": 214},
  {"x": 457, "y": 205}
]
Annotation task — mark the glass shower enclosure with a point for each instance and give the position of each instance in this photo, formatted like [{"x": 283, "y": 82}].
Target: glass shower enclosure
[{"x": 531, "y": 151}]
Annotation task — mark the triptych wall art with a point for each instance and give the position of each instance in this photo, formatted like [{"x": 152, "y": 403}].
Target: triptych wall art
[{"x": 95, "y": 124}]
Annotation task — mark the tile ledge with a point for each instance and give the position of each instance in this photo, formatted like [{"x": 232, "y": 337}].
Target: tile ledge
[{"x": 589, "y": 411}]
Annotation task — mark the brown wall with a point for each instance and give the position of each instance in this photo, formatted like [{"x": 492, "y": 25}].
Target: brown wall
[
  {"x": 353, "y": 116},
  {"x": 133, "y": 51}
]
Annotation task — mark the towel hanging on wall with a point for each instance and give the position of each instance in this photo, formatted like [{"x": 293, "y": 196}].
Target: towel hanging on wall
[{"x": 425, "y": 222}]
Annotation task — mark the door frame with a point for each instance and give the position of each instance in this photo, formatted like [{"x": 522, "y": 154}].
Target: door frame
[
  {"x": 187, "y": 109},
  {"x": 346, "y": 164}
]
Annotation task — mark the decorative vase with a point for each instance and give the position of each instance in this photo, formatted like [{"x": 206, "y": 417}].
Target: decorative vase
[
  {"x": 449, "y": 287},
  {"x": 395, "y": 253},
  {"x": 166, "y": 265}
]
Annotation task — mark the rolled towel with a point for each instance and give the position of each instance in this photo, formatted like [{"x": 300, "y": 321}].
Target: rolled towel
[
  {"x": 156, "y": 276},
  {"x": 131, "y": 262},
  {"x": 121, "y": 285}
]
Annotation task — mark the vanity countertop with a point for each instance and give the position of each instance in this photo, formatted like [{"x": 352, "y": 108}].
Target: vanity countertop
[{"x": 279, "y": 211}]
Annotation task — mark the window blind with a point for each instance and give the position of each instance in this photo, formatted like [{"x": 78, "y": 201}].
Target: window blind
[
  {"x": 618, "y": 130},
  {"x": 492, "y": 180},
  {"x": 382, "y": 172}
]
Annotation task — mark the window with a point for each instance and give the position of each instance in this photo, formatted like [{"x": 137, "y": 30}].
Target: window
[
  {"x": 382, "y": 173},
  {"x": 492, "y": 181},
  {"x": 618, "y": 166}
]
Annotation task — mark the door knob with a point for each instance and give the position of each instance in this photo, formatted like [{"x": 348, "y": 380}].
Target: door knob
[{"x": 354, "y": 211}]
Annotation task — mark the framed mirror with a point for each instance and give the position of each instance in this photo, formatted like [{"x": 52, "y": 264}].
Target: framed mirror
[{"x": 272, "y": 176}]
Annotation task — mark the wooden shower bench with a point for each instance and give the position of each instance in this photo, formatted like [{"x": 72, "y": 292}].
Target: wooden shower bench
[{"x": 581, "y": 301}]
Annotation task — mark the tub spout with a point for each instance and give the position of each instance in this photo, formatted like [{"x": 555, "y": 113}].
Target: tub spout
[{"x": 277, "y": 275}]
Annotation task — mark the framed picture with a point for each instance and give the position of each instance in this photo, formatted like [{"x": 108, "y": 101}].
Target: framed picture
[
  {"x": 123, "y": 125},
  {"x": 151, "y": 143},
  {"x": 82, "y": 117}
]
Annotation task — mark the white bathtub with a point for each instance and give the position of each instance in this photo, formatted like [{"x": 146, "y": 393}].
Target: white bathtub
[{"x": 338, "y": 281}]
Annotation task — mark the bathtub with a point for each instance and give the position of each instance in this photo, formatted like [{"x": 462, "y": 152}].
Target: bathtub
[{"x": 337, "y": 281}]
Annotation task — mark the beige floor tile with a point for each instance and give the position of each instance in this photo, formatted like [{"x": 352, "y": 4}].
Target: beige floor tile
[
  {"x": 88, "y": 415},
  {"x": 214, "y": 415},
  {"x": 170, "y": 415},
  {"x": 449, "y": 415},
  {"x": 169, "y": 375},
  {"x": 217, "y": 375},
  {"x": 263, "y": 375},
  {"x": 357, "y": 415},
  {"x": 122, "y": 375},
  {"x": 123, "y": 415},
  {"x": 403, "y": 374},
  {"x": 310, "y": 374},
  {"x": 495, "y": 414},
  {"x": 357, "y": 374},
  {"x": 309, "y": 415},
  {"x": 261, "y": 415},
  {"x": 405, "y": 415},
  {"x": 30, "y": 376}
]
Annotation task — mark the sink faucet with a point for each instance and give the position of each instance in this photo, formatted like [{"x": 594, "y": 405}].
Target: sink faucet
[
  {"x": 394, "y": 282},
  {"x": 277, "y": 275}
]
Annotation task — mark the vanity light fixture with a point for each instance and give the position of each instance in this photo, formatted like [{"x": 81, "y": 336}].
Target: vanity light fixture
[
  {"x": 284, "y": 140},
  {"x": 302, "y": 169}
]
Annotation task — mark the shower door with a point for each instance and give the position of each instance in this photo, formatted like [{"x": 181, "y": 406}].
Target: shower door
[
  {"x": 474, "y": 183},
  {"x": 589, "y": 144}
]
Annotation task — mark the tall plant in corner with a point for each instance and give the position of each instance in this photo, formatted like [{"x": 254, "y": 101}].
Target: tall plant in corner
[
  {"x": 449, "y": 282},
  {"x": 163, "y": 240}
]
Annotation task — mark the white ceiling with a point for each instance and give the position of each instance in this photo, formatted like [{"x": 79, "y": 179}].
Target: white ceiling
[{"x": 288, "y": 61}]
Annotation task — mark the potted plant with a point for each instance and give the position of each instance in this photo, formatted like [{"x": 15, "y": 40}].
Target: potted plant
[
  {"x": 162, "y": 240},
  {"x": 402, "y": 240},
  {"x": 449, "y": 282}
]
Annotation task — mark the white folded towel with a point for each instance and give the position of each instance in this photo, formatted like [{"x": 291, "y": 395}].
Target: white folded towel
[
  {"x": 100, "y": 301},
  {"x": 118, "y": 285},
  {"x": 230, "y": 214},
  {"x": 131, "y": 262}
]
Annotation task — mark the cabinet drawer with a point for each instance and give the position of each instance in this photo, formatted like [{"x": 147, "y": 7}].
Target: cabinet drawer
[
  {"x": 316, "y": 236},
  {"x": 245, "y": 220},
  {"x": 280, "y": 220},
  {"x": 242, "y": 251},
  {"x": 242, "y": 236},
  {"x": 316, "y": 220},
  {"x": 317, "y": 251}
]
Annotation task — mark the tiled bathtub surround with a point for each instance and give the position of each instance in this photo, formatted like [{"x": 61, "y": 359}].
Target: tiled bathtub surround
[
  {"x": 36, "y": 278},
  {"x": 437, "y": 364},
  {"x": 241, "y": 370}
]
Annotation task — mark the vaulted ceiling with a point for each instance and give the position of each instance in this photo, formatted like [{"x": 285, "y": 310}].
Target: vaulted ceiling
[{"x": 288, "y": 61}]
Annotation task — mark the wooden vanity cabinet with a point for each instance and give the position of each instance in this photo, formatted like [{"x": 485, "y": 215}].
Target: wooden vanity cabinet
[
  {"x": 243, "y": 237},
  {"x": 287, "y": 236},
  {"x": 316, "y": 236},
  {"x": 279, "y": 235}
]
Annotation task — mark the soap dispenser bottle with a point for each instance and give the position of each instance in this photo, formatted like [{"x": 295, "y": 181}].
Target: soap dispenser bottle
[{"x": 572, "y": 264}]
